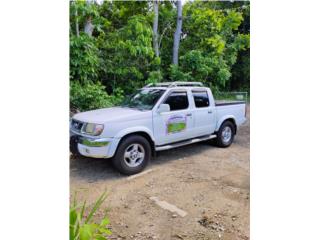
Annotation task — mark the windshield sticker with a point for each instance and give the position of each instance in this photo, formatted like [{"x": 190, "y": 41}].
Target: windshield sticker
[{"x": 176, "y": 123}]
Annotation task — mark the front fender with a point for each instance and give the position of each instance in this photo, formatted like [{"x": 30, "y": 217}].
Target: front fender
[
  {"x": 130, "y": 130},
  {"x": 117, "y": 138}
]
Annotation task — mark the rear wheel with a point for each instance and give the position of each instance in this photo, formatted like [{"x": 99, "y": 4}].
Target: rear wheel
[
  {"x": 225, "y": 134},
  {"x": 133, "y": 155}
]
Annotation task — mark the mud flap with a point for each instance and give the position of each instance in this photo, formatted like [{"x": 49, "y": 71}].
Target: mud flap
[{"x": 74, "y": 145}]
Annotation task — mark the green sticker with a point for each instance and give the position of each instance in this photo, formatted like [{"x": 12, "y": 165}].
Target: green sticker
[
  {"x": 176, "y": 127},
  {"x": 176, "y": 123}
]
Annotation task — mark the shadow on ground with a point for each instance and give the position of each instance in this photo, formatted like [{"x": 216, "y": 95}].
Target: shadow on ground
[{"x": 92, "y": 169}]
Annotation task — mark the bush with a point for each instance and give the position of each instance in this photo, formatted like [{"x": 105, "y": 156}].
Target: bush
[
  {"x": 84, "y": 58},
  {"x": 154, "y": 77},
  {"x": 176, "y": 74},
  {"x": 81, "y": 225},
  {"x": 90, "y": 96}
]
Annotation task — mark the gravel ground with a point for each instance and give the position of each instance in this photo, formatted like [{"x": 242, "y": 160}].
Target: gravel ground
[{"x": 211, "y": 184}]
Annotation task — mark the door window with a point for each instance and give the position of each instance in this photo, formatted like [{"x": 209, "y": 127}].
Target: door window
[
  {"x": 177, "y": 101},
  {"x": 201, "y": 98}
]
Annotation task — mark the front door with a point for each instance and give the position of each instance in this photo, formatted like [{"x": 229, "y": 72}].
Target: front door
[{"x": 176, "y": 125}]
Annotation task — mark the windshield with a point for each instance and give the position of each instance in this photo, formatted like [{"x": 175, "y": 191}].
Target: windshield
[{"x": 143, "y": 99}]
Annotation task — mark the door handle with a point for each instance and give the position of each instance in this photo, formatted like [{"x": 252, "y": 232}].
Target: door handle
[
  {"x": 189, "y": 114},
  {"x": 209, "y": 111}
]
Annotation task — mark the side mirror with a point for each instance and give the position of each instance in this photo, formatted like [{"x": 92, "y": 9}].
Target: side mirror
[{"x": 164, "y": 108}]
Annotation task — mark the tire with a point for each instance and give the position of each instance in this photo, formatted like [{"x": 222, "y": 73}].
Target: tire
[
  {"x": 133, "y": 155},
  {"x": 225, "y": 134},
  {"x": 74, "y": 146}
]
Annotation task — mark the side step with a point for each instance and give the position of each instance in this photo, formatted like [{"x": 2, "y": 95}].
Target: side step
[{"x": 187, "y": 142}]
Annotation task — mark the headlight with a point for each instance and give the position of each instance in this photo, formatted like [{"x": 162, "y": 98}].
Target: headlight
[{"x": 93, "y": 129}]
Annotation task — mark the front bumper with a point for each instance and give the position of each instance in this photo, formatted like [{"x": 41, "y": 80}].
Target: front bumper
[{"x": 93, "y": 147}]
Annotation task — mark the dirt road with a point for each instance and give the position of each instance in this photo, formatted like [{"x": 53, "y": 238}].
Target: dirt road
[{"x": 210, "y": 184}]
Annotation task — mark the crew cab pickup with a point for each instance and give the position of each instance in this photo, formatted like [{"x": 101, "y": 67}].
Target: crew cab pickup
[{"x": 157, "y": 117}]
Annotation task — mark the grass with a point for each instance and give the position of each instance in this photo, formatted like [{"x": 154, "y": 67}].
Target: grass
[{"x": 82, "y": 226}]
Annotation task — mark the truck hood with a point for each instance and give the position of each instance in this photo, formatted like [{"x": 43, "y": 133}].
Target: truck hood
[{"x": 110, "y": 114}]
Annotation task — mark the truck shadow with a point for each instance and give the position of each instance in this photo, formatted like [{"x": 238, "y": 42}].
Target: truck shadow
[{"x": 93, "y": 170}]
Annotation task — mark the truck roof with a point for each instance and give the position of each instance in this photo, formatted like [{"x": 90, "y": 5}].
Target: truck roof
[{"x": 174, "y": 84}]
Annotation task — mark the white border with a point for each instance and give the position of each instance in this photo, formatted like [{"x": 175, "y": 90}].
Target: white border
[
  {"x": 34, "y": 96},
  {"x": 285, "y": 44},
  {"x": 285, "y": 158}
]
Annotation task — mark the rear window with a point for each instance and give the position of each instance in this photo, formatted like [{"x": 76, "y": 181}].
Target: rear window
[
  {"x": 201, "y": 98},
  {"x": 177, "y": 101}
]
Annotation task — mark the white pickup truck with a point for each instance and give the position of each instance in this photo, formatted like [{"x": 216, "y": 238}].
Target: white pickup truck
[{"x": 157, "y": 117}]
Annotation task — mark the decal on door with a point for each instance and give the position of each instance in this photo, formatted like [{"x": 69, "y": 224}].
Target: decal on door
[{"x": 176, "y": 123}]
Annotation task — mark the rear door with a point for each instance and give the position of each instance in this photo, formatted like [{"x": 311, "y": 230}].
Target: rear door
[
  {"x": 176, "y": 125},
  {"x": 203, "y": 113}
]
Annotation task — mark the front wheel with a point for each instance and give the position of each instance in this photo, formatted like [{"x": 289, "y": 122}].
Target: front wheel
[
  {"x": 225, "y": 134},
  {"x": 133, "y": 155}
]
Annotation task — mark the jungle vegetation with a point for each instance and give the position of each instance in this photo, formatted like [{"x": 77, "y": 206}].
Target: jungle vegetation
[{"x": 119, "y": 46}]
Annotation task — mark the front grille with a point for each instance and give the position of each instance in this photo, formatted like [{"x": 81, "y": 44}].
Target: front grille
[{"x": 76, "y": 125}]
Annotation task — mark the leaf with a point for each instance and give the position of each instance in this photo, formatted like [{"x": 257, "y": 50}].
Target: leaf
[
  {"x": 75, "y": 200},
  {"x": 96, "y": 206},
  {"x": 100, "y": 238},
  {"x": 82, "y": 210},
  {"x": 86, "y": 232},
  {"x": 104, "y": 222},
  {"x": 73, "y": 216},
  {"x": 105, "y": 230}
]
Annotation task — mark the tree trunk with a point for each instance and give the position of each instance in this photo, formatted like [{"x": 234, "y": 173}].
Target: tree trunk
[
  {"x": 88, "y": 28},
  {"x": 155, "y": 27},
  {"x": 77, "y": 22},
  {"x": 177, "y": 34}
]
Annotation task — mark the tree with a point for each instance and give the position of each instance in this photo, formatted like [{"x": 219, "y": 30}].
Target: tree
[
  {"x": 211, "y": 44},
  {"x": 166, "y": 29},
  {"x": 85, "y": 61},
  {"x": 177, "y": 33},
  {"x": 88, "y": 28},
  {"x": 126, "y": 44},
  {"x": 76, "y": 19},
  {"x": 128, "y": 54},
  {"x": 155, "y": 27}
]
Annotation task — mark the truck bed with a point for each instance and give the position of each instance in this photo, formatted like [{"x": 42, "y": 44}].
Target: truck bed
[
  {"x": 228, "y": 102},
  {"x": 234, "y": 108}
]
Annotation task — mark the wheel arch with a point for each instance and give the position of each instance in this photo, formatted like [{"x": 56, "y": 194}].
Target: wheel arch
[
  {"x": 139, "y": 133},
  {"x": 230, "y": 119}
]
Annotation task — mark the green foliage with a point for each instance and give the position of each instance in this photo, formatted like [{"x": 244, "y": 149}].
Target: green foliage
[
  {"x": 200, "y": 66},
  {"x": 154, "y": 77},
  {"x": 80, "y": 11},
  {"x": 176, "y": 74},
  {"x": 213, "y": 34},
  {"x": 128, "y": 54},
  {"x": 82, "y": 226},
  {"x": 84, "y": 58},
  {"x": 90, "y": 96},
  {"x": 240, "y": 79},
  {"x": 167, "y": 22},
  {"x": 214, "y": 48}
]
